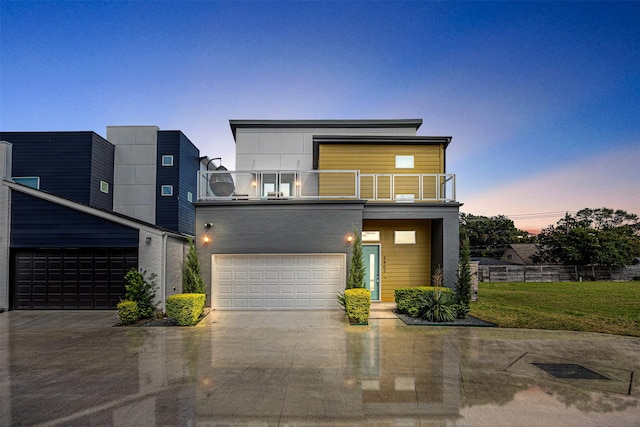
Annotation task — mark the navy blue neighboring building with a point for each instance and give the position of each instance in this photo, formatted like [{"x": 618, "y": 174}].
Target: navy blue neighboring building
[{"x": 82, "y": 211}]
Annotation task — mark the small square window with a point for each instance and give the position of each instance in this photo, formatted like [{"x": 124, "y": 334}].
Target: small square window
[
  {"x": 104, "y": 187},
  {"x": 167, "y": 160},
  {"x": 370, "y": 236},
  {"x": 404, "y": 162},
  {"x": 405, "y": 237},
  {"x": 29, "y": 181},
  {"x": 167, "y": 190},
  {"x": 189, "y": 196}
]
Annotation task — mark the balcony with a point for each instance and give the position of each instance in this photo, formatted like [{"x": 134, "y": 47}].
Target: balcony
[{"x": 325, "y": 185}]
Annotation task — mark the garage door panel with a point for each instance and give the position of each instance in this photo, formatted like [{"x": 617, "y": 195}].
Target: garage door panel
[
  {"x": 239, "y": 275},
  {"x": 272, "y": 289},
  {"x": 272, "y": 275},
  {"x": 70, "y": 278},
  {"x": 256, "y": 275},
  {"x": 277, "y": 281}
]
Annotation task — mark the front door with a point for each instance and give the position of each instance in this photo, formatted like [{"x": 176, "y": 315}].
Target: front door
[{"x": 371, "y": 255}]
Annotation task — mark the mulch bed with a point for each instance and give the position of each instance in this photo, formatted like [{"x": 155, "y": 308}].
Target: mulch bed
[{"x": 467, "y": 321}]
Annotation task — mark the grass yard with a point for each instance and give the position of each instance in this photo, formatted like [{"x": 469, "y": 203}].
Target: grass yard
[{"x": 607, "y": 307}]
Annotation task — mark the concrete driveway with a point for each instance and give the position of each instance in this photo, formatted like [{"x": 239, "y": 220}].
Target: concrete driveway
[{"x": 309, "y": 368}]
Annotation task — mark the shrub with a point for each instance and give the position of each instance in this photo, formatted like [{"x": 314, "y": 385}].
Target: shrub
[
  {"x": 463, "y": 276},
  {"x": 461, "y": 310},
  {"x": 356, "y": 269},
  {"x": 437, "y": 306},
  {"x": 128, "y": 312},
  {"x": 341, "y": 300},
  {"x": 357, "y": 304},
  {"x": 191, "y": 278},
  {"x": 185, "y": 309},
  {"x": 407, "y": 298},
  {"x": 141, "y": 289}
]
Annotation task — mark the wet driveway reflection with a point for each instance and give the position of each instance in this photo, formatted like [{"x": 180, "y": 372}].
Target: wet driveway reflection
[{"x": 295, "y": 368}]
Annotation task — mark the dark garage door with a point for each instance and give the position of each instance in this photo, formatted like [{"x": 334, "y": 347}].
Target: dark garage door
[{"x": 70, "y": 279}]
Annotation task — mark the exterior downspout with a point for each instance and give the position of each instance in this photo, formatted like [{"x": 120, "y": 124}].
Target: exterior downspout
[{"x": 163, "y": 268}]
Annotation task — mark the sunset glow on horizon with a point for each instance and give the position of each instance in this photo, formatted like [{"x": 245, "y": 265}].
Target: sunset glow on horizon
[{"x": 542, "y": 99}]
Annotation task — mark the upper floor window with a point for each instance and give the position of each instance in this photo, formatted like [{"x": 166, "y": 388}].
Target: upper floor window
[
  {"x": 404, "y": 162},
  {"x": 167, "y": 190},
  {"x": 104, "y": 186},
  {"x": 370, "y": 236},
  {"x": 167, "y": 160},
  {"x": 405, "y": 237},
  {"x": 190, "y": 196},
  {"x": 29, "y": 181}
]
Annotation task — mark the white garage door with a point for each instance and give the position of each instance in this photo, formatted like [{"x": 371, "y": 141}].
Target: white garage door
[{"x": 277, "y": 282}]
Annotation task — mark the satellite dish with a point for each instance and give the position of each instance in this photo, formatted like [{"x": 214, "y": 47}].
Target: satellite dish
[{"x": 221, "y": 183}]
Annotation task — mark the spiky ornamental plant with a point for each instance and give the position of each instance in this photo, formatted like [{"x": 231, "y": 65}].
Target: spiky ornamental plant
[
  {"x": 192, "y": 282},
  {"x": 356, "y": 269}
]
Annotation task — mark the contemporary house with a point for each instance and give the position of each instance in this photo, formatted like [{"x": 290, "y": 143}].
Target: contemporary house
[
  {"x": 276, "y": 233},
  {"x": 79, "y": 211}
]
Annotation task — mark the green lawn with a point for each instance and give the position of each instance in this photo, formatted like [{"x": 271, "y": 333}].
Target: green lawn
[{"x": 607, "y": 307}]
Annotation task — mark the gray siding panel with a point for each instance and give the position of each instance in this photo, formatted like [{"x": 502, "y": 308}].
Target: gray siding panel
[{"x": 272, "y": 228}]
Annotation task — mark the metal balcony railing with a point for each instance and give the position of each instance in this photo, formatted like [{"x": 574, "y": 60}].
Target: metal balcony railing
[{"x": 325, "y": 185}]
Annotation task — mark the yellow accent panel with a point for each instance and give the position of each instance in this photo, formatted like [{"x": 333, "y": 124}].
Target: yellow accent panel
[
  {"x": 372, "y": 158},
  {"x": 402, "y": 265}
]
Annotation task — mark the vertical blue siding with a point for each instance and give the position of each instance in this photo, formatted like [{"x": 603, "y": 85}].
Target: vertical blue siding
[
  {"x": 69, "y": 164},
  {"x": 167, "y": 206},
  {"x": 101, "y": 170},
  {"x": 189, "y": 166},
  {"x": 176, "y": 212},
  {"x": 37, "y": 223}
]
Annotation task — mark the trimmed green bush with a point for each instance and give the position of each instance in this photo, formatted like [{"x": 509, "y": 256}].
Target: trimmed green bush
[
  {"x": 185, "y": 309},
  {"x": 407, "y": 298},
  {"x": 357, "y": 304},
  {"x": 128, "y": 312}
]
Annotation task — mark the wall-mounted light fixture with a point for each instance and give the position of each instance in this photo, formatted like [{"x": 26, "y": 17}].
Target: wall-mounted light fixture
[
  {"x": 148, "y": 240},
  {"x": 206, "y": 240},
  {"x": 208, "y": 225},
  {"x": 349, "y": 238}
]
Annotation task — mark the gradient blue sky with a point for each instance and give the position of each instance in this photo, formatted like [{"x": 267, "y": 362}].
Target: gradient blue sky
[{"x": 542, "y": 99}]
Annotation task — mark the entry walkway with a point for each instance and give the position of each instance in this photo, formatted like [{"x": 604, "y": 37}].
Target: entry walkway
[{"x": 309, "y": 368}]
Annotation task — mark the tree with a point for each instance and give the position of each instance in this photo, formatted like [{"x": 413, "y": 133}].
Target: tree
[
  {"x": 192, "y": 282},
  {"x": 591, "y": 237},
  {"x": 141, "y": 288},
  {"x": 356, "y": 269},
  {"x": 463, "y": 276},
  {"x": 490, "y": 236}
]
